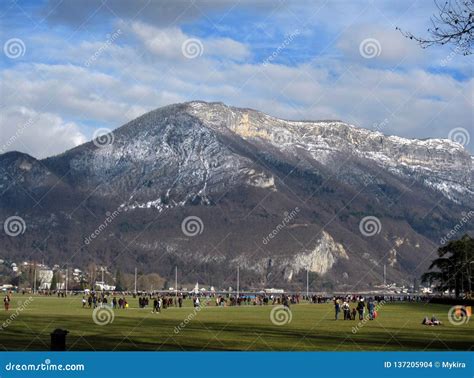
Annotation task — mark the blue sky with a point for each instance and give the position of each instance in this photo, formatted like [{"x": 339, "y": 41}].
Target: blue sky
[{"x": 84, "y": 65}]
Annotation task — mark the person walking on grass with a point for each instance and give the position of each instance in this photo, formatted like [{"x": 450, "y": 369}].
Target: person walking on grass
[
  {"x": 156, "y": 307},
  {"x": 337, "y": 307},
  {"x": 6, "y": 302},
  {"x": 360, "y": 309}
]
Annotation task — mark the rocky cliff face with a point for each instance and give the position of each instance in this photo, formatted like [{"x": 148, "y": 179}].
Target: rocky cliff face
[{"x": 275, "y": 197}]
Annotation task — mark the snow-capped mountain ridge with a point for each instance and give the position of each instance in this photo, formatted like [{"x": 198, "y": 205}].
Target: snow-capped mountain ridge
[
  {"x": 240, "y": 171},
  {"x": 447, "y": 162}
]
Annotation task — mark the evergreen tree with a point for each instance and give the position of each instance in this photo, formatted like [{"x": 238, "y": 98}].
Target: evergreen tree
[
  {"x": 54, "y": 282},
  {"x": 119, "y": 286},
  {"x": 453, "y": 266}
]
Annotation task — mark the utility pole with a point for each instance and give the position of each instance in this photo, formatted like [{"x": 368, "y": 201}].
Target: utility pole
[
  {"x": 238, "y": 281},
  {"x": 135, "y": 280},
  {"x": 307, "y": 284},
  {"x": 66, "y": 278},
  {"x": 176, "y": 283},
  {"x": 34, "y": 282},
  {"x": 384, "y": 275}
]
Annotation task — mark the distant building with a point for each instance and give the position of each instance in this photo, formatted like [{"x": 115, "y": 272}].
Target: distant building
[
  {"x": 274, "y": 291},
  {"x": 44, "y": 276},
  {"x": 99, "y": 285}
]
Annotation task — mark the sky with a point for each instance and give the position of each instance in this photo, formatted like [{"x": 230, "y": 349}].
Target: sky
[{"x": 70, "y": 68}]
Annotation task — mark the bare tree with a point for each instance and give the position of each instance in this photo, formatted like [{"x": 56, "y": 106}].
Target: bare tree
[{"x": 452, "y": 25}]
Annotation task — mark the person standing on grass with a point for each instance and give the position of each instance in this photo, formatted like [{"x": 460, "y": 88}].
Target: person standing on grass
[
  {"x": 6, "y": 302},
  {"x": 360, "y": 309},
  {"x": 337, "y": 307},
  {"x": 346, "y": 310},
  {"x": 155, "y": 306},
  {"x": 371, "y": 307}
]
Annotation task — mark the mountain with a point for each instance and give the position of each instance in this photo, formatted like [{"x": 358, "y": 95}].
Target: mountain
[{"x": 209, "y": 187}]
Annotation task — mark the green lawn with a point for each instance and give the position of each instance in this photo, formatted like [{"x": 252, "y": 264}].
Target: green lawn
[{"x": 312, "y": 327}]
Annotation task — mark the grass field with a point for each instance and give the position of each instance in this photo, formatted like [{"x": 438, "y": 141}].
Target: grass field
[{"x": 27, "y": 326}]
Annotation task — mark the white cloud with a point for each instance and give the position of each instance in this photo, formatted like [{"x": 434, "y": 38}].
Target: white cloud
[
  {"x": 167, "y": 43},
  {"x": 146, "y": 69},
  {"x": 37, "y": 134},
  {"x": 393, "y": 48}
]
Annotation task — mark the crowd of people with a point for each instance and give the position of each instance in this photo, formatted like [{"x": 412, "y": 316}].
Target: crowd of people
[
  {"x": 343, "y": 304},
  {"x": 93, "y": 300},
  {"x": 351, "y": 306}
]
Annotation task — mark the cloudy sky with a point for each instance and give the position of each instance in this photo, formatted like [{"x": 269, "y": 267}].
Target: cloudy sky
[{"x": 71, "y": 67}]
